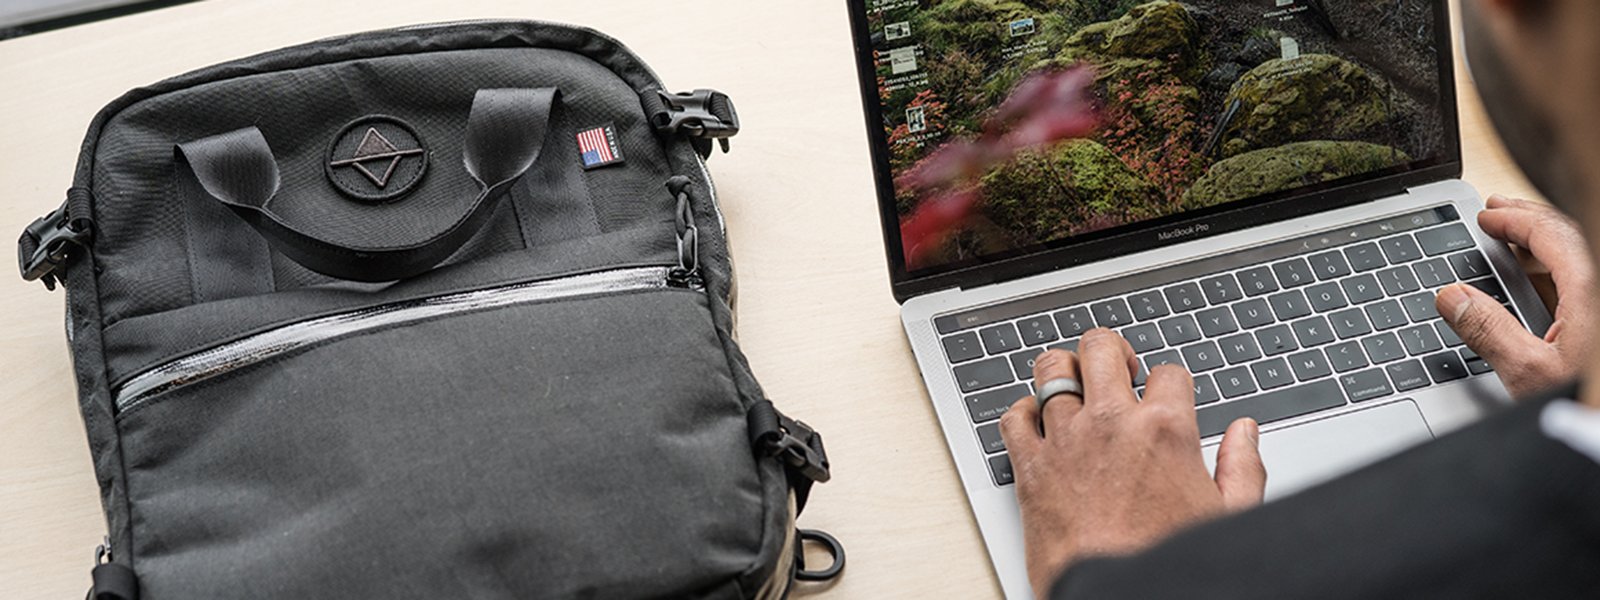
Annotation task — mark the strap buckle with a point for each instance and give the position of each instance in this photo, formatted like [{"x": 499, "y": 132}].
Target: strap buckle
[
  {"x": 47, "y": 243},
  {"x": 702, "y": 115},
  {"x": 800, "y": 447}
]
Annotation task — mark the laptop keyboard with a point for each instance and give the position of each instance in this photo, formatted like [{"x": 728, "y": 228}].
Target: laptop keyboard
[{"x": 1273, "y": 333}]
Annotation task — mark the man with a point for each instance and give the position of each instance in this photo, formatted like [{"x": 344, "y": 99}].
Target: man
[{"x": 1115, "y": 497}]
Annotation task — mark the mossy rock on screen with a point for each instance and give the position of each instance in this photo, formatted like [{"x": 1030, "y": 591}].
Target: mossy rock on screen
[
  {"x": 1315, "y": 96},
  {"x": 1145, "y": 39},
  {"x": 1045, "y": 194},
  {"x": 978, "y": 26},
  {"x": 1275, "y": 169}
]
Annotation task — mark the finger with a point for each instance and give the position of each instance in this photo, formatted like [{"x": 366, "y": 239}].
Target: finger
[
  {"x": 1058, "y": 411},
  {"x": 1550, "y": 236},
  {"x": 1241, "y": 477},
  {"x": 1019, "y": 428},
  {"x": 1170, "y": 385},
  {"x": 1487, "y": 327},
  {"x": 1108, "y": 364}
]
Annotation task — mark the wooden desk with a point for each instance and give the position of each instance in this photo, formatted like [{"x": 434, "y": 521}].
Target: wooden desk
[{"x": 815, "y": 313}]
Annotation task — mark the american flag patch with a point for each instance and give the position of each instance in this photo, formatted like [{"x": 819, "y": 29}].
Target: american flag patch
[{"x": 598, "y": 147}]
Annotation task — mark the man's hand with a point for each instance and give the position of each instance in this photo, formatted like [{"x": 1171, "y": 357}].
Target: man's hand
[
  {"x": 1110, "y": 474},
  {"x": 1525, "y": 363}
]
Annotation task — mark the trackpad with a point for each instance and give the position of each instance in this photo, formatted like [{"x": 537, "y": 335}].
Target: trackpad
[{"x": 1305, "y": 455}]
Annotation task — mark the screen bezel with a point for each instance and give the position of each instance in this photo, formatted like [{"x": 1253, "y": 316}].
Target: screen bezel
[{"x": 1145, "y": 235}]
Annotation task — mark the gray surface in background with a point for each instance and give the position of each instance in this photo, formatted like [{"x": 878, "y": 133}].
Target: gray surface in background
[{"x": 19, "y": 12}]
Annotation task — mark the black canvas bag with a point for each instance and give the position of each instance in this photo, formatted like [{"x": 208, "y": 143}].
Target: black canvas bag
[{"x": 438, "y": 312}]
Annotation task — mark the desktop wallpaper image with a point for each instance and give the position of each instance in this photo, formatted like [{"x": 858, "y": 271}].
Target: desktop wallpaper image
[{"x": 1148, "y": 108}]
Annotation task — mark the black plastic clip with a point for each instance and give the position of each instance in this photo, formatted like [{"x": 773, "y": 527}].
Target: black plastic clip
[
  {"x": 111, "y": 581},
  {"x": 791, "y": 441},
  {"x": 701, "y": 115},
  {"x": 47, "y": 243}
]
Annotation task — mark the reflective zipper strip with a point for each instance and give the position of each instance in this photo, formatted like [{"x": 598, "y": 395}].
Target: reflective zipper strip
[{"x": 289, "y": 338}]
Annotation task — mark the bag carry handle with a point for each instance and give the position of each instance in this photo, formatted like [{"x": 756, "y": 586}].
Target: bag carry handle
[{"x": 505, "y": 132}]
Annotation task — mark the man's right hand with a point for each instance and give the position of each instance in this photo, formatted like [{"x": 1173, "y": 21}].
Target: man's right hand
[{"x": 1526, "y": 363}]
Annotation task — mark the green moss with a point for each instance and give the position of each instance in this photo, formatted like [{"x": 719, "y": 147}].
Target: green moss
[
  {"x": 1043, "y": 195},
  {"x": 979, "y": 26},
  {"x": 1146, "y": 39},
  {"x": 1273, "y": 169},
  {"x": 1316, "y": 96}
]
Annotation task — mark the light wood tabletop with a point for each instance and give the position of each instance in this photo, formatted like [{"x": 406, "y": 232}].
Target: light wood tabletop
[{"x": 815, "y": 312}]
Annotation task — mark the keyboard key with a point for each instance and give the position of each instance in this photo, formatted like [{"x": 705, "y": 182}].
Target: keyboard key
[
  {"x": 1111, "y": 313},
  {"x": 1000, "y": 339},
  {"x": 1272, "y": 374},
  {"x": 1444, "y": 366},
  {"x": 1258, "y": 281},
  {"x": 1433, "y": 273},
  {"x": 1289, "y": 305},
  {"x": 1326, "y": 297},
  {"x": 1312, "y": 332},
  {"x": 1271, "y": 407},
  {"x": 1350, "y": 323},
  {"x": 1470, "y": 265},
  {"x": 1447, "y": 334},
  {"x": 1444, "y": 240},
  {"x": 1202, "y": 357},
  {"x": 1408, "y": 375},
  {"x": 1068, "y": 345},
  {"x": 1329, "y": 265},
  {"x": 1421, "y": 339},
  {"x": 1143, "y": 338},
  {"x": 1221, "y": 289},
  {"x": 1420, "y": 307},
  {"x": 1217, "y": 321},
  {"x": 989, "y": 438},
  {"x": 1140, "y": 377},
  {"x": 1382, "y": 348},
  {"x": 1148, "y": 305},
  {"x": 1252, "y": 313},
  {"x": 1361, "y": 289},
  {"x": 1310, "y": 365},
  {"x": 1275, "y": 340},
  {"x": 1037, "y": 330},
  {"x": 962, "y": 347},
  {"x": 1401, "y": 249},
  {"x": 1346, "y": 357},
  {"x": 1365, "y": 257},
  {"x": 1239, "y": 348},
  {"x": 1386, "y": 315},
  {"x": 1366, "y": 385},
  {"x": 1074, "y": 322},
  {"x": 1493, "y": 288},
  {"x": 1180, "y": 330},
  {"x": 1398, "y": 280},
  {"x": 988, "y": 406},
  {"x": 1000, "y": 467},
  {"x": 1476, "y": 365},
  {"x": 1164, "y": 357},
  {"x": 1022, "y": 363},
  {"x": 975, "y": 376},
  {"x": 1294, "y": 273},
  {"x": 1184, "y": 297},
  {"x": 1205, "y": 390},
  {"x": 1235, "y": 382}
]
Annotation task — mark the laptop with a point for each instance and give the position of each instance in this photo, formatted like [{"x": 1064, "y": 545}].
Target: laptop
[{"x": 1269, "y": 196}]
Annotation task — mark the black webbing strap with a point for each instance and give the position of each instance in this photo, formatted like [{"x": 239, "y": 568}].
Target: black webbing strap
[
  {"x": 113, "y": 582},
  {"x": 505, "y": 133},
  {"x": 796, "y": 445}
]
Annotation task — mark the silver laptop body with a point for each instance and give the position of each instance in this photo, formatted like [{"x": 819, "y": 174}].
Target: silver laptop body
[{"x": 1365, "y": 372}]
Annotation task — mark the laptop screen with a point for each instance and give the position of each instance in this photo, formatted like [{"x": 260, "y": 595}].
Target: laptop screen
[{"x": 1015, "y": 126}]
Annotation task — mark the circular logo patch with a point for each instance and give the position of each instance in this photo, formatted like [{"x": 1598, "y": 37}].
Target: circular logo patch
[{"x": 376, "y": 159}]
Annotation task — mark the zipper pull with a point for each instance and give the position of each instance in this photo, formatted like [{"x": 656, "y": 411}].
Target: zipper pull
[
  {"x": 687, "y": 274},
  {"x": 112, "y": 581}
]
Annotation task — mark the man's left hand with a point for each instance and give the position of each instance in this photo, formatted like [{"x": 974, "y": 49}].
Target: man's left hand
[{"x": 1107, "y": 473}]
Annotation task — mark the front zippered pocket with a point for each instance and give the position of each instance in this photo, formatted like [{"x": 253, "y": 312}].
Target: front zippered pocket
[{"x": 266, "y": 345}]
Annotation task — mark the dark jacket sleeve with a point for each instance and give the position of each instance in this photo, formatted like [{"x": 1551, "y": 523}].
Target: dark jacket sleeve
[{"x": 1498, "y": 510}]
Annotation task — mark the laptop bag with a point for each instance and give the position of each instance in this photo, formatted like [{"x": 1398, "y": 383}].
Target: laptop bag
[{"x": 433, "y": 312}]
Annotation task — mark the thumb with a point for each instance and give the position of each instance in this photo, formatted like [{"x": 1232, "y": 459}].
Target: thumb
[
  {"x": 1241, "y": 477},
  {"x": 1487, "y": 327}
]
